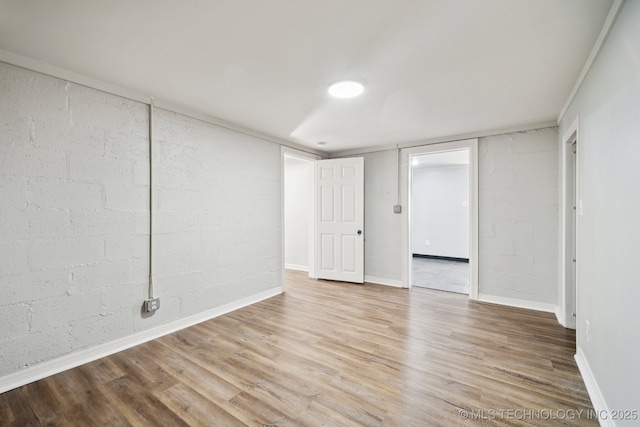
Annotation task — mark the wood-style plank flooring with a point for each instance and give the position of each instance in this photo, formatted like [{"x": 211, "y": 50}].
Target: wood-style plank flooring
[{"x": 328, "y": 354}]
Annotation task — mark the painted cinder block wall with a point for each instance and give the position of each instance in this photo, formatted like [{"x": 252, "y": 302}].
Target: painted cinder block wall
[
  {"x": 382, "y": 243},
  {"x": 518, "y": 218},
  {"x": 74, "y": 217}
]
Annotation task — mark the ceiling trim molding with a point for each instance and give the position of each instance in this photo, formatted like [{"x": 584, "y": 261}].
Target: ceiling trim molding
[
  {"x": 614, "y": 12},
  {"x": 90, "y": 82},
  {"x": 444, "y": 139}
]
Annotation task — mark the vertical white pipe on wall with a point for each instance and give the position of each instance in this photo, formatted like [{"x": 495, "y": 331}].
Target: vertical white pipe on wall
[{"x": 151, "y": 291}]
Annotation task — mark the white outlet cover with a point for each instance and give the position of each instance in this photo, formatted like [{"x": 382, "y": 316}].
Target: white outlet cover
[{"x": 588, "y": 330}]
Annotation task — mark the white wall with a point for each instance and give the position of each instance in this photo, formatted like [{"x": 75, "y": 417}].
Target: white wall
[
  {"x": 74, "y": 217},
  {"x": 518, "y": 216},
  {"x": 382, "y": 244},
  {"x": 298, "y": 211},
  {"x": 518, "y": 199},
  {"x": 438, "y": 211},
  {"x": 608, "y": 107}
]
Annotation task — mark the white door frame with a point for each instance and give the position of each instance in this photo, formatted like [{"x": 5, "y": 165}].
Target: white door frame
[
  {"x": 407, "y": 153},
  {"x": 284, "y": 150},
  {"x": 565, "y": 311}
]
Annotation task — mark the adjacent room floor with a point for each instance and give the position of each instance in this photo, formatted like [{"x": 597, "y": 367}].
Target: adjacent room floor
[
  {"x": 328, "y": 353},
  {"x": 442, "y": 275}
]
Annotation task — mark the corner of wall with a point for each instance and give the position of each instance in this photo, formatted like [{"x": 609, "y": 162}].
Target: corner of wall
[{"x": 595, "y": 394}]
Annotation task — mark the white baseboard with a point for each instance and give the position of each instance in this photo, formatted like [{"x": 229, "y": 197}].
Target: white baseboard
[
  {"x": 569, "y": 323},
  {"x": 52, "y": 367},
  {"x": 560, "y": 316},
  {"x": 597, "y": 399},
  {"x": 381, "y": 281},
  {"x": 520, "y": 303},
  {"x": 296, "y": 267}
]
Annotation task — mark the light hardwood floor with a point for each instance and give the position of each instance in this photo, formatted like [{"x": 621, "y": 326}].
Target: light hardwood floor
[{"x": 328, "y": 353}]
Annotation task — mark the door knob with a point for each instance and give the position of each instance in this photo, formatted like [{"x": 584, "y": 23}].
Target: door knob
[{"x": 359, "y": 232}]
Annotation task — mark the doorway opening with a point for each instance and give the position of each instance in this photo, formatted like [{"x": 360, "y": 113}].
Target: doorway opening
[
  {"x": 571, "y": 210},
  {"x": 297, "y": 210},
  {"x": 440, "y": 221}
]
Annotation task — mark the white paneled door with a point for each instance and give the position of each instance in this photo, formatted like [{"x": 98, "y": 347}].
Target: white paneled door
[{"x": 339, "y": 219}]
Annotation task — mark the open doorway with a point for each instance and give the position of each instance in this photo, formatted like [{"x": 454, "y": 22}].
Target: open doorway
[
  {"x": 440, "y": 221},
  {"x": 443, "y": 244},
  {"x": 571, "y": 210},
  {"x": 297, "y": 210}
]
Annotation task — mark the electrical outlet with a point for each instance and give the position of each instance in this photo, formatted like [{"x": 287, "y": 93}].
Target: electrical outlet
[
  {"x": 427, "y": 242},
  {"x": 152, "y": 305},
  {"x": 397, "y": 209}
]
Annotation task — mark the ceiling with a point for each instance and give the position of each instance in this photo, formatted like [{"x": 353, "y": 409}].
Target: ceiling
[{"x": 432, "y": 68}]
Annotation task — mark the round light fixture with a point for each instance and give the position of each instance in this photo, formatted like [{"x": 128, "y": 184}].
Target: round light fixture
[{"x": 346, "y": 89}]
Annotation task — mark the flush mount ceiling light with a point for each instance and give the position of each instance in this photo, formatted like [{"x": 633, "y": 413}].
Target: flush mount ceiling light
[{"x": 346, "y": 89}]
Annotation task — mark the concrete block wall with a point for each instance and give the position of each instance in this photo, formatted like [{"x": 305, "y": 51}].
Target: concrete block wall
[
  {"x": 217, "y": 216},
  {"x": 74, "y": 217},
  {"x": 518, "y": 219},
  {"x": 383, "y": 240},
  {"x": 518, "y": 215}
]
